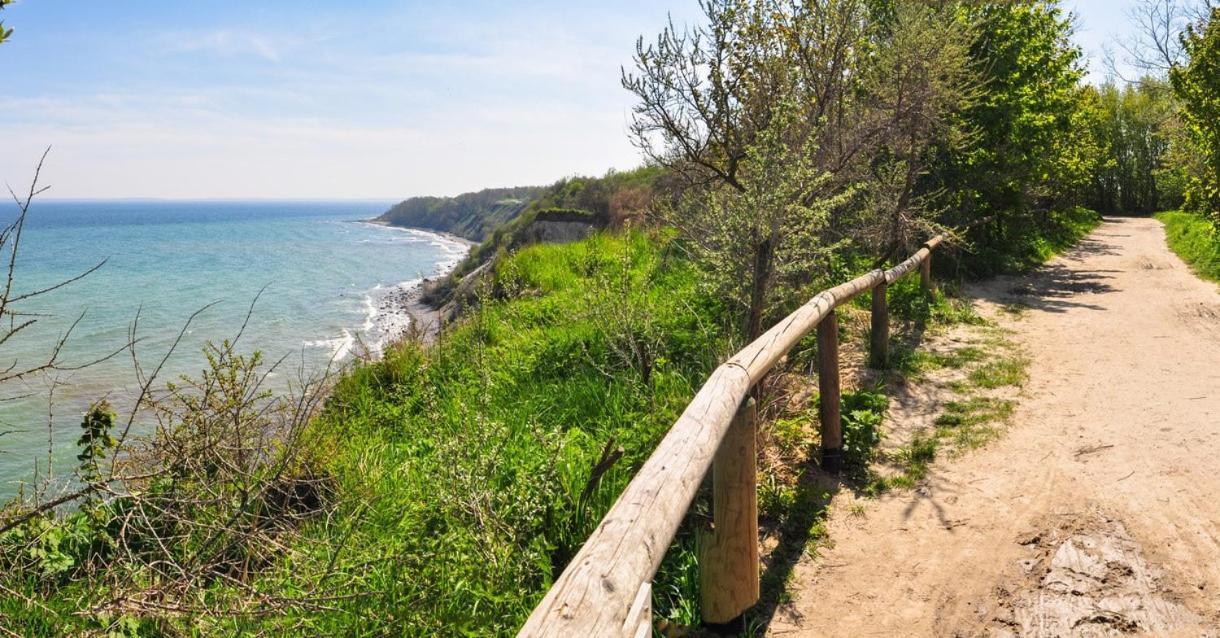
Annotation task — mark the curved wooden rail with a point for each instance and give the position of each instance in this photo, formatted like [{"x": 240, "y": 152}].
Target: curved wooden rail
[{"x": 606, "y": 590}]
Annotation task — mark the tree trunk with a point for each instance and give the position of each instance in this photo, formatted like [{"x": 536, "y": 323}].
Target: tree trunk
[{"x": 759, "y": 283}]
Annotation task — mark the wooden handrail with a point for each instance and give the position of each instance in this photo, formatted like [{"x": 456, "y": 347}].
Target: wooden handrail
[{"x": 606, "y": 588}]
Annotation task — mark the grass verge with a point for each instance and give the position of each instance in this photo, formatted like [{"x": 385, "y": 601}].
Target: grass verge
[{"x": 1195, "y": 239}]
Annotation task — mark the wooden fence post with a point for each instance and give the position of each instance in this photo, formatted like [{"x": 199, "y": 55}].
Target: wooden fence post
[
  {"x": 828, "y": 388},
  {"x": 925, "y": 273},
  {"x": 728, "y": 556},
  {"x": 879, "y": 346}
]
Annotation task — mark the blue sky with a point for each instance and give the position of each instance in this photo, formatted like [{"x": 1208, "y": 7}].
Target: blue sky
[{"x": 339, "y": 100}]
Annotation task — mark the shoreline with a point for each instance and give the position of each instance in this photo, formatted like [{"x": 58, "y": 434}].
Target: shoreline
[
  {"x": 424, "y": 321},
  {"x": 470, "y": 243}
]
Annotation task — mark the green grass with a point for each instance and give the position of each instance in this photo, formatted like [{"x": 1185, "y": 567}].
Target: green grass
[
  {"x": 966, "y": 423},
  {"x": 973, "y": 421},
  {"x": 999, "y": 372},
  {"x": 915, "y": 364},
  {"x": 465, "y": 465},
  {"x": 1195, "y": 239}
]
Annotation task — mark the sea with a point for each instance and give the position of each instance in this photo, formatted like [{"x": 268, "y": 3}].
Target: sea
[{"x": 318, "y": 285}]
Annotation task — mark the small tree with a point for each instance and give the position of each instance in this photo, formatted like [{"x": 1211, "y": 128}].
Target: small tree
[
  {"x": 95, "y": 441},
  {"x": 740, "y": 108},
  {"x": 760, "y": 242}
]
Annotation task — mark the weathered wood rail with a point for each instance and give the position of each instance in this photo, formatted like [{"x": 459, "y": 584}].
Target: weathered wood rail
[{"x": 606, "y": 589}]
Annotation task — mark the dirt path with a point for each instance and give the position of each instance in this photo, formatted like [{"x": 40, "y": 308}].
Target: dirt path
[{"x": 1097, "y": 513}]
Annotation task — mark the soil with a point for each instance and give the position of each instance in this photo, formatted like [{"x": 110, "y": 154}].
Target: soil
[{"x": 1096, "y": 513}]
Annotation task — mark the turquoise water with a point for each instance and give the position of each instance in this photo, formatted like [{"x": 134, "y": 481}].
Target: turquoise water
[{"x": 326, "y": 281}]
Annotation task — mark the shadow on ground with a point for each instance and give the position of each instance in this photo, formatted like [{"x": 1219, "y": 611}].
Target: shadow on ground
[{"x": 1056, "y": 287}]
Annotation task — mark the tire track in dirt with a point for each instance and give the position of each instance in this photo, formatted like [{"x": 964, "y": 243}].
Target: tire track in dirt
[{"x": 1096, "y": 513}]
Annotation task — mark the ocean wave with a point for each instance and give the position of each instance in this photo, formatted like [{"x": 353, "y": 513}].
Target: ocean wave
[
  {"x": 385, "y": 314},
  {"x": 339, "y": 347}
]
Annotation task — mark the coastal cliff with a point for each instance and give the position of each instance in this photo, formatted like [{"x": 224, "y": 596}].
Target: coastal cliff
[{"x": 471, "y": 216}]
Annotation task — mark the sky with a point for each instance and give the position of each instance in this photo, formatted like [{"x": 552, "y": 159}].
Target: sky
[{"x": 368, "y": 99}]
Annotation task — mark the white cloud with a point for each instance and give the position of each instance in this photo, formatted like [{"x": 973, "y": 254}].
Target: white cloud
[
  {"x": 130, "y": 147},
  {"x": 415, "y": 102}
]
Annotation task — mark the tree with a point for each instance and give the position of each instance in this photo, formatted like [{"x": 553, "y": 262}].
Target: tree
[
  {"x": 1133, "y": 127},
  {"x": 776, "y": 114},
  {"x": 917, "y": 77},
  {"x": 1196, "y": 83},
  {"x": 1155, "y": 47},
  {"x": 736, "y": 108},
  {"x": 1023, "y": 124}
]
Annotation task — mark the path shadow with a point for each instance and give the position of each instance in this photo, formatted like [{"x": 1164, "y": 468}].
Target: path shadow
[{"x": 1055, "y": 287}]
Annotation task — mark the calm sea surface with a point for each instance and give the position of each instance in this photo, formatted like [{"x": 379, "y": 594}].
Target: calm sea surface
[{"x": 324, "y": 279}]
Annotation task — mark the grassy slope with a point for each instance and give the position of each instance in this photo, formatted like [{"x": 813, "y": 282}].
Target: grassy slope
[
  {"x": 463, "y": 465},
  {"x": 1195, "y": 240}
]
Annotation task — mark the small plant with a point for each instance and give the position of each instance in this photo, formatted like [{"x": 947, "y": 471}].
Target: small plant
[
  {"x": 862, "y": 414},
  {"x": 95, "y": 442}
]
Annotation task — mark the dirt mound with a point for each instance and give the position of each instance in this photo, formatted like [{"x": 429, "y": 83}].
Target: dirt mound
[{"x": 1084, "y": 576}]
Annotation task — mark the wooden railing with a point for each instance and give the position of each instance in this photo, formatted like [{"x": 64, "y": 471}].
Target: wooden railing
[{"x": 606, "y": 589}]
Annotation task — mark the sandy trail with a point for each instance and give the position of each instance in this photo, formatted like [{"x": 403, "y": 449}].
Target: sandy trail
[{"x": 1096, "y": 514}]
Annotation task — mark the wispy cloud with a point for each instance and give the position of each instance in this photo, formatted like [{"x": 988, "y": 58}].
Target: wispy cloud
[{"x": 229, "y": 43}]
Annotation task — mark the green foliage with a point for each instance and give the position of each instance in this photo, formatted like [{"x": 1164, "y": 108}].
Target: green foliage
[
  {"x": 95, "y": 441},
  {"x": 4, "y": 33},
  {"x": 1133, "y": 130},
  {"x": 1031, "y": 154},
  {"x": 1023, "y": 118},
  {"x": 1195, "y": 239},
  {"x": 862, "y": 413},
  {"x": 1024, "y": 244},
  {"x": 908, "y": 301},
  {"x": 1197, "y": 86}
]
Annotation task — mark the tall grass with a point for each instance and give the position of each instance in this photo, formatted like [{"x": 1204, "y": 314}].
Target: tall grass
[{"x": 1195, "y": 239}]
